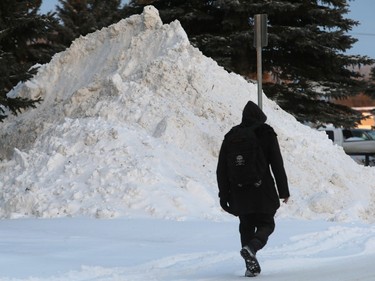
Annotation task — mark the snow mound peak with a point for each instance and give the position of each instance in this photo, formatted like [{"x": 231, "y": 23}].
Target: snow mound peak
[
  {"x": 131, "y": 123},
  {"x": 151, "y": 18}
]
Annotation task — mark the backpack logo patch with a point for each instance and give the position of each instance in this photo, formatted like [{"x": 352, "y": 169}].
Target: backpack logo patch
[
  {"x": 240, "y": 161},
  {"x": 246, "y": 163}
]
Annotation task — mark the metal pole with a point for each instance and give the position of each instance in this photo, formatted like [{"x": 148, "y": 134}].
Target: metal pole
[
  {"x": 259, "y": 76},
  {"x": 259, "y": 58}
]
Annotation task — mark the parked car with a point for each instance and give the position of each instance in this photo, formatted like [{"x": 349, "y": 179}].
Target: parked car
[{"x": 357, "y": 143}]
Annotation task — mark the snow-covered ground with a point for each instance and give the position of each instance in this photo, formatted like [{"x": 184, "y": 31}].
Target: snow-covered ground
[
  {"x": 112, "y": 177},
  {"x": 150, "y": 249}
]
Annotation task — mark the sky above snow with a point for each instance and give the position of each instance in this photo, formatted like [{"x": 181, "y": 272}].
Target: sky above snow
[{"x": 113, "y": 172}]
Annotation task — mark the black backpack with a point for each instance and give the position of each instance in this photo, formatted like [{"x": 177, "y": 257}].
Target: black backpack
[{"x": 246, "y": 163}]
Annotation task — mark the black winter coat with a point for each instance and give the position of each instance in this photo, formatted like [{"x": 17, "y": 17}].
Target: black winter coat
[{"x": 263, "y": 199}]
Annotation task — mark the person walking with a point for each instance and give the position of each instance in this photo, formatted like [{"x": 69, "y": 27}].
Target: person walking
[{"x": 254, "y": 203}]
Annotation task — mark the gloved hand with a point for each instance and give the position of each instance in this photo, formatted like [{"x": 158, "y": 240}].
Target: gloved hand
[{"x": 225, "y": 205}]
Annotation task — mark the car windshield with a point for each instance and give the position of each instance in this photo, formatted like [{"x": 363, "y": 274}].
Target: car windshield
[
  {"x": 371, "y": 133},
  {"x": 363, "y": 134}
]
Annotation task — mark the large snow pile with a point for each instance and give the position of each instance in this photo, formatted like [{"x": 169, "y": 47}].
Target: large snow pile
[{"x": 131, "y": 124}]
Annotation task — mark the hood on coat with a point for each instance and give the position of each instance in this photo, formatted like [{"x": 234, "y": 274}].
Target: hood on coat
[{"x": 252, "y": 114}]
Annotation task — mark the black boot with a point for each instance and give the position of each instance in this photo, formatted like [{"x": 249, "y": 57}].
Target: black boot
[{"x": 252, "y": 264}]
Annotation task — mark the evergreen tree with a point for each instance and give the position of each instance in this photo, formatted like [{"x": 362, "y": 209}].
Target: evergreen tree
[
  {"x": 76, "y": 20},
  {"x": 24, "y": 42},
  {"x": 305, "y": 55},
  {"x": 80, "y": 17},
  {"x": 105, "y": 12}
]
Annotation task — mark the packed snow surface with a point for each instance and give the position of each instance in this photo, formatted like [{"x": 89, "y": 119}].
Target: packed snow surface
[
  {"x": 122, "y": 249},
  {"x": 129, "y": 128}
]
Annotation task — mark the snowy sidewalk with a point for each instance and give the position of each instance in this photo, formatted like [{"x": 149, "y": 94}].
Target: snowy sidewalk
[{"x": 146, "y": 249}]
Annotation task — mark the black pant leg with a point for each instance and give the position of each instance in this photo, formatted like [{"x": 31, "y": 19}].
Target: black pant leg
[
  {"x": 247, "y": 228},
  {"x": 255, "y": 229},
  {"x": 265, "y": 225}
]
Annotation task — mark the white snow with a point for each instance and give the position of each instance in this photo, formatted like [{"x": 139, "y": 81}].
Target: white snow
[{"x": 119, "y": 160}]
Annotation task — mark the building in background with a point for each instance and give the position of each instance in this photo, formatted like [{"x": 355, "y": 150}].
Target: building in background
[{"x": 362, "y": 103}]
